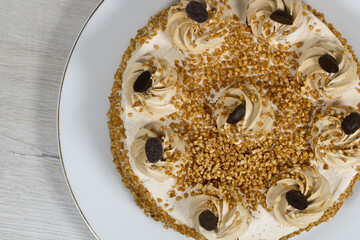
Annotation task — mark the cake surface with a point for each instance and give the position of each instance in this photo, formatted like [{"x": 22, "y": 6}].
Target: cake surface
[{"x": 237, "y": 119}]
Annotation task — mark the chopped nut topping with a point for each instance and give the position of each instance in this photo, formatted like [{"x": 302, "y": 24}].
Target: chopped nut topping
[{"x": 242, "y": 172}]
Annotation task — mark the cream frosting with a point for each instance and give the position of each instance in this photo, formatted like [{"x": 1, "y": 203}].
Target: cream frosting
[
  {"x": 259, "y": 116},
  {"x": 232, "y": 222},
  {"x": 329, "y": 85},
  {"x": 188, "y": 35},
  {"x": 258, "y": 18},
  {"x": 332, "y": 145},
  {"x": 317, "y": 191},
  {"x": 263, "y": 225},
  {"x": 161, "y": 99},
  {"x": 171, "y": 144}
]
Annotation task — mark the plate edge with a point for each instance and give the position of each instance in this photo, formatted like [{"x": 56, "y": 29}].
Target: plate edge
[{"x": 58, "y": 118}]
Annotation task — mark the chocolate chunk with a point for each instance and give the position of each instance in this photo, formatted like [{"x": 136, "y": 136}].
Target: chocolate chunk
[
  {"x": 329, "y": 63},
  {"x": 282, "y": 17},
  {"x": 208, "y": 220},
  {"x": 237, "y": 114},
  {"x": 197, "y": 12},
  {"x": 153, "y": 150},
  {"x": 351, "y": 123},
  {"x": 143, "y": 82},
  {"x": 296, "y": 199}
]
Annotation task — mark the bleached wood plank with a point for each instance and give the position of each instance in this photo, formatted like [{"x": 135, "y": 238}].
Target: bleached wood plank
[{"x": 36, "y": 37}]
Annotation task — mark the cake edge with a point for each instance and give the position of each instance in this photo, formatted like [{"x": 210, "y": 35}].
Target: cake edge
[{"x": 141, "y": 195}]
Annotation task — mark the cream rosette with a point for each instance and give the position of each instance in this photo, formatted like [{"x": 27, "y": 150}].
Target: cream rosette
[
  {"x": 158, "y": 101},
  {"x": 189, "y": 35},
  {"x": 232, "y": 223},
  {"x": 313, "y": 186},
  {"x": 259, "y": 116},
  {"x": 328, "y": 85},
  {"x": 258, "y": 18},
  {"x": 332, "y": 145},
  {"x": 171, "y": 144}
]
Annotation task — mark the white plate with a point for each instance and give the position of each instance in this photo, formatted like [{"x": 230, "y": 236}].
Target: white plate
[{"x": 84, "y": 143}]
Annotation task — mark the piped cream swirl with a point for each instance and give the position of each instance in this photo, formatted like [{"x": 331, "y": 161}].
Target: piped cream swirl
[
  {"x": 332, "y": 145},
  {"x": 329, "y": 85},
  {"x": 258, "y": 18},
  {"x": 171, "y": 143},
  {"x": 259, "y": 116},
  {"x": 162, "y": 98},
  {"x": 313, "y": 186},
  {"x": 188, "y": 35},
  {"x": 232, "y": 223}
]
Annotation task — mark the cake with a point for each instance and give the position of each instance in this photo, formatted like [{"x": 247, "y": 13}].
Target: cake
[{"x": 237, "y": 119}]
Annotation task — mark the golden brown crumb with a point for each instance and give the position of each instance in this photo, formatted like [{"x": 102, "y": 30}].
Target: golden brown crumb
[{"x": 242, "y": 171}]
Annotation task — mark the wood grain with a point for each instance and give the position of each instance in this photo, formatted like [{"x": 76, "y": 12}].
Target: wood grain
[{"x": 36, "y": 37}]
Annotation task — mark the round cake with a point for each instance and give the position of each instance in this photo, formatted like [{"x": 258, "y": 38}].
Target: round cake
[{"x": 237, "y": 119}]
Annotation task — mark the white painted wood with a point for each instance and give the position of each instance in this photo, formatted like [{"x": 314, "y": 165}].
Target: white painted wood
[{"x": 36, "y": 37}]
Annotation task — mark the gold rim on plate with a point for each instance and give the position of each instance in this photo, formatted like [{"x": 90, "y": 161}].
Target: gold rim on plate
[{"x": 58, "y": 116}]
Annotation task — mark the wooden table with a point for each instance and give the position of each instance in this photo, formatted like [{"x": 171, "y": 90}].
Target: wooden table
[{"x": 36, "y": 37}]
